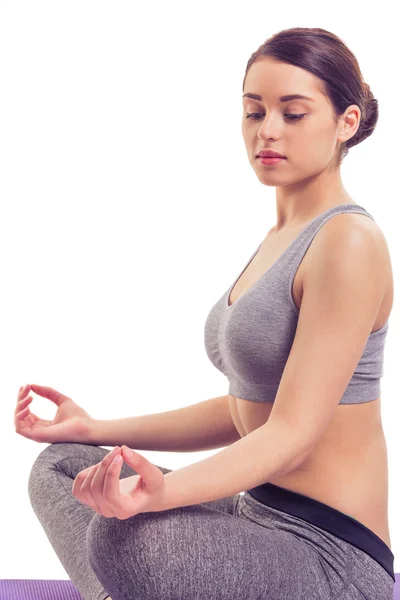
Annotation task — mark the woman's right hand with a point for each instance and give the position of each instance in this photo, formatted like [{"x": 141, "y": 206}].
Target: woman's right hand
[{"x": 70, "y": 424}]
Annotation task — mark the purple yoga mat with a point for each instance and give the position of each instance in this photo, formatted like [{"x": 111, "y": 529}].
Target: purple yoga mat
[
  {"x": 38, "y": 589},
  {"x": 64, "y": 589}
]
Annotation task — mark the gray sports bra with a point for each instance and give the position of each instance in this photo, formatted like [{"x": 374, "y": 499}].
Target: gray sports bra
[{"x": 250, "y": 341}]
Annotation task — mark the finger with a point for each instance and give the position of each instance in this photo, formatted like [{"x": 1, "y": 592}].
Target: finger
[
  {"x": 20, "y": 416},
  {"x": 22, "y": 413},
  {"x": 22, "y": 404},
  {"x": 23, "y": 398},
  {"x": 48, "y": 392},
  {"x": 81, "y": 487},
  {"x": 111, "y": 490},
  {"x": 23, "y": 390},
  {"x": 151, "y": 474},
  {"x": 99, "y": 484}
]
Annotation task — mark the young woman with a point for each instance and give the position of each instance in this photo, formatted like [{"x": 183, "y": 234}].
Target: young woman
[{"x": 300, "y": 336}]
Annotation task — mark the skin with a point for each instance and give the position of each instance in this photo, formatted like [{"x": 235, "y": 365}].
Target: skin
[{"x": 307, "y": 182}]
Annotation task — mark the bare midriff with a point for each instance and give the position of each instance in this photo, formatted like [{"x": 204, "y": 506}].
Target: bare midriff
[{"x": 348, "y": 467}]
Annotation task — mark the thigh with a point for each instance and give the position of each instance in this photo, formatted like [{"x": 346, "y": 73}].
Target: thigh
[
  {"x": 368, "y": 579},
  {"x": 199, "y": 553}
]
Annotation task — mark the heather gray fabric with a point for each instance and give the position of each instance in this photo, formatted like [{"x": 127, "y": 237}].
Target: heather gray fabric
[
  {"x": 250, "y": 340},
  {"x": 235, "y": 548}
]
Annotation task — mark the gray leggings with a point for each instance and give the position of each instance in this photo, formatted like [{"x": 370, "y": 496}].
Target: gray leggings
[{"x": 236, "y": 548}]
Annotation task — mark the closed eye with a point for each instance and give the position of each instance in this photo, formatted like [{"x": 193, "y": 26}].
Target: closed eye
[{"x": 291, "y": 117}]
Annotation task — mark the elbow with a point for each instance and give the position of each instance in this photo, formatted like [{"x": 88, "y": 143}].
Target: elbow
[
  {"x": 301, "y": 458},
  {"x": 295, "y": 453}
]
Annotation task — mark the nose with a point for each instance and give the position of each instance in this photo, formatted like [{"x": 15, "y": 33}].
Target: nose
[{"x": 269, "y": 127}]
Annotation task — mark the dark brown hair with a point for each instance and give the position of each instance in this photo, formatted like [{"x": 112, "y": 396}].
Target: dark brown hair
[{"x": 326, "y": 56}]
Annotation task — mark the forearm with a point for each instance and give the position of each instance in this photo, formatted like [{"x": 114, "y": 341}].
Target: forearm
[
  {"x": 268, "y": 452},
  {"x": 202, "y": 426}
]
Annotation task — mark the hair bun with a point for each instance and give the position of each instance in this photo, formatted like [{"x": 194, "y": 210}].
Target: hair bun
[
  {"x": 367, "y": 91},
  {"x": 370, "y": 117}
]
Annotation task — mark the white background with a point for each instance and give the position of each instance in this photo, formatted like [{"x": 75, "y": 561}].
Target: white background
[{"x": 128, "y": 206}]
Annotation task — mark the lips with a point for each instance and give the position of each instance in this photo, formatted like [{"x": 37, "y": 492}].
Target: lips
[{"x": 269, "y": 154}]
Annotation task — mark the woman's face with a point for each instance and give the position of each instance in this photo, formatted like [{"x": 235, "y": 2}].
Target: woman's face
[{"x": 304, "y": 131}]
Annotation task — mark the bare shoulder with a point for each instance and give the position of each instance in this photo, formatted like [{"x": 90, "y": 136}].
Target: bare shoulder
[
  {"x": 359, "y": 228},
  {"x": 354, "y": 225},
  {"x": 345, "y": 231}
]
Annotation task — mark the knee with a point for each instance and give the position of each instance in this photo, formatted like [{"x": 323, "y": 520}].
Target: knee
[
  {"x": 57, "y": 451},
  {"x": 46, "y": 461},
  {"x": 50, "y": 455},
  {"x": 38, "y": 474},
  {"x": 54, "y": 453}
]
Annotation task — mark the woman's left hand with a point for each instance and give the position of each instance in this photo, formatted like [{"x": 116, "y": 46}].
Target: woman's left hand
[{"x": 100, "y": 487}]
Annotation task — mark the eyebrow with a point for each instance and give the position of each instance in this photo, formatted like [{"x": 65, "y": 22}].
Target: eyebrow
[{"x": 282, "y": 98}]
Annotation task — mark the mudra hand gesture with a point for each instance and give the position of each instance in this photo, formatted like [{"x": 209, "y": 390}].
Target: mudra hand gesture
[
  {"x": 97, "y": 486},
  {"x": 100, "y": 488}
]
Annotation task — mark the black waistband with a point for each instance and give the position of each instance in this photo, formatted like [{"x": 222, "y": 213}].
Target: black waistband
[{"x": 328, "y": 518}]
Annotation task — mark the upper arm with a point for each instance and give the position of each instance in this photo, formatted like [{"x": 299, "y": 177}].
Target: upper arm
[{"x": 342, "y": 293}]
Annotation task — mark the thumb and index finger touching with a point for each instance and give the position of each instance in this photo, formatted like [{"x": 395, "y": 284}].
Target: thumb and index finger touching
[{"x": 45, "y": 392}]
